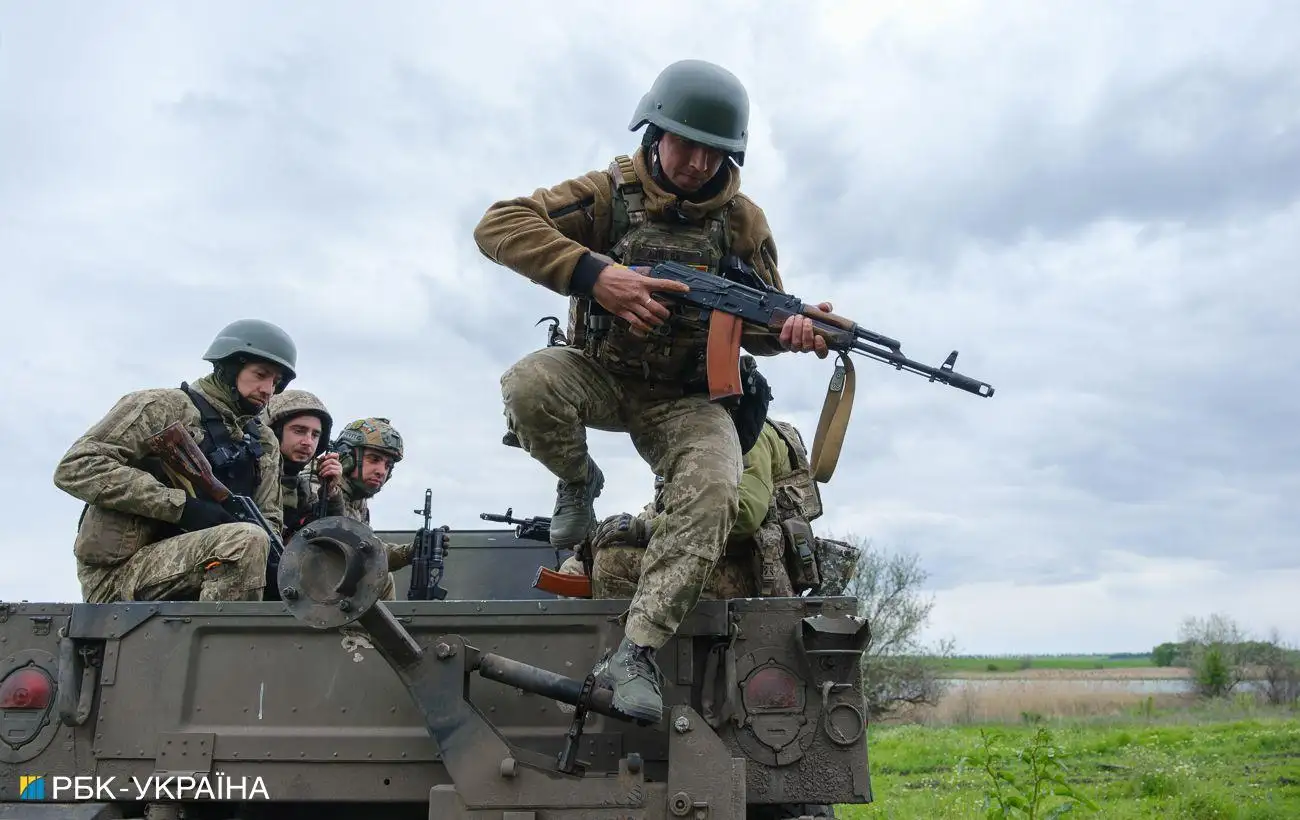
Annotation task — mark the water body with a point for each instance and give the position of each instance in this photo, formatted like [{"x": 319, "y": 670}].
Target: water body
[{"x": 1139, "y": 686}]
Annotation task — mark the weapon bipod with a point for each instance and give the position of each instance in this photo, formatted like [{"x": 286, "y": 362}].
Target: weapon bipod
[{"x": 568, "y": 761}]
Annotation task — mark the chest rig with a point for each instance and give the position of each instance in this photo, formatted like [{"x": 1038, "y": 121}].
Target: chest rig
[
  {"x": 675, "y": 351},
  {"x": 787, "y": 527},
  {"x": 235, "y": 464}
]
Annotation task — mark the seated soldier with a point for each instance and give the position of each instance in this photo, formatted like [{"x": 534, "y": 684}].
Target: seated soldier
[
  {"x": 770, "y": 551},
  {"x": 142, "y": 539},
  {"x": 302, "y": 424},
  {"x": 368, "y": 451}
]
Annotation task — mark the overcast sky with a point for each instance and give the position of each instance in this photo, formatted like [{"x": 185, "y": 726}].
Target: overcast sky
[{"x": 1098, "y": 206}]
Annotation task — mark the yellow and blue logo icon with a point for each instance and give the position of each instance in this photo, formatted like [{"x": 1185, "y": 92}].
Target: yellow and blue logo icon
[{"x": 31, "y": 787}]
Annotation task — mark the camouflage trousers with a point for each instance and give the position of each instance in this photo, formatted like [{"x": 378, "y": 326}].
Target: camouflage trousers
[
  {"x": 616, "y": 573},
  {"x": 553, "y": 395},
  {"x": 222, "y": 563}
]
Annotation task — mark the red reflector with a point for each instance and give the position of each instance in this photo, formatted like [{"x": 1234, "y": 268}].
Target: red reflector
[
  {"x": 771, "y": 688},
  {"x": 27, "y": 688}
]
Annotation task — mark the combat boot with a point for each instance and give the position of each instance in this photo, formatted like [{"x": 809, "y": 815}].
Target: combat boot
[
  {"x": 575, "y": 510},
  {"x": 635, "y": 678}
]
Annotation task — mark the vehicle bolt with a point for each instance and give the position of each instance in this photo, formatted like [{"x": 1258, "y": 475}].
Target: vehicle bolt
[
  {"x": 508, "y": 767},
  {"x": 680, "y": 804},
  {"x": 633, "y": 763},
  {"x": 290, "y": 593},
  {"x": 345, "y": 605},
  {"x": 307, "y": 532},
  {"x": 682, "y": 725},
  {"x": 443, "y": 651}
]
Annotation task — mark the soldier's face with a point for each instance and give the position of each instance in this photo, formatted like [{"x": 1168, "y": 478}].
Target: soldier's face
[
  {"x": 256, "y": 382},
  {"x": 375, "y": 468},
  {"x": 688, "y": 165},
  {"x": 300, "y": 439}
]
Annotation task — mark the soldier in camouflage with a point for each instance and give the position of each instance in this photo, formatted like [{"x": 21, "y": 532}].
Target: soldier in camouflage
[
  {"x": 140, "y": 538},
  {"x": 302, "y": 424},
  {"x": 770, "y": 551},
  {"x": 633, "y": 363},
  {"x": 368, "y": 450}
]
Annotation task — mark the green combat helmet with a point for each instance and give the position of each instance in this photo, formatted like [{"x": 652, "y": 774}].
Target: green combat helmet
[
  {"x": 256, "y": 339},
  {"x": 373, "y": 433},
  {"x": 293, "y": 403},
  {"x": 701, "y": 102}
]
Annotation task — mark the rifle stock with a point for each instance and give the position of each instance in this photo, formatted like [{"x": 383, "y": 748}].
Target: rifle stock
[
  {"x": 185, "y": 463},
  {"x": 562, "y": 583}
]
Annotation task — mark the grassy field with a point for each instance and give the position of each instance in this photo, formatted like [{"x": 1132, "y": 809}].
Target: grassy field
[
  {"x": 1230, "y": 761},
  {"x": 968, "y": 664}
]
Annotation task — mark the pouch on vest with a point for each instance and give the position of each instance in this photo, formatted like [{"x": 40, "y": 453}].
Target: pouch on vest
[
  {"x": 837, "y": 563},
  {"x": 800, "y": 562}
]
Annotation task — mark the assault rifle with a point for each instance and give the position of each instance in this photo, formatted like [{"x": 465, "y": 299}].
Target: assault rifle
[
  {"x": 536, "y": 528},
  {"x": 733, "y": 303},
  {"x": 738, "y": 297},
  {"x": 427, "y": 557},
  {"x": 547, "y": 580},
  {"x": 190, "y": 471}
]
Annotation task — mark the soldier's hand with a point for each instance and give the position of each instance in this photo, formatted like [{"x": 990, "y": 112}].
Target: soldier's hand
[
  {"x": 629, "y": 295},
  {"x": 797, "y": 334},
  {"x": 328, "y": 467},
  {"x": 624, "y": 530}
]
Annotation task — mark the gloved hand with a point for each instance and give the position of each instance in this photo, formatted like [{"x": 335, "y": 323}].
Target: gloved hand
[
  {"x": 199, "y": 514},
  {"x": 624, "y": 530}
]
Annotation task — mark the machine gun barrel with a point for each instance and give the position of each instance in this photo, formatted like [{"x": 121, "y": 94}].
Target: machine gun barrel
[{"x": 547, "y": 684}]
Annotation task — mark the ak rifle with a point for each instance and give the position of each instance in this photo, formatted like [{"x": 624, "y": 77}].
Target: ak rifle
[
  {"x": 191, "y": 471},
  {"x": 734, "y": 303},
  {"x": 536, "y": 528},
  {"x": 739, "y": 297},
  {"x": 427, "y": 557},
  {"x": 549, "y": 580}
]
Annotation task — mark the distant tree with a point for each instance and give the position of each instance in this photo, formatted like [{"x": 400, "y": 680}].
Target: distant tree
[
  {"x": 1214, "y": 654},
  {"x": 1281, "y": 672},
  {"x": 899, "y": 671},
  {"x": 1165, "y": 654}
]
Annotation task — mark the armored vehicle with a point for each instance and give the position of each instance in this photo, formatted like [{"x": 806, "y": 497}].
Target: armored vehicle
[{"x": 331, "y": 703}]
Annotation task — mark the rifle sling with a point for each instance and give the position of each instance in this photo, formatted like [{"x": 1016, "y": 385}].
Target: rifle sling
[{"x": 834, "y": 421}]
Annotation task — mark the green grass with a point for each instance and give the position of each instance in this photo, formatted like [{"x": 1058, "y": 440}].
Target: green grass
[
  {"x": 1195, "y": 764},
  {"x": 975, "y": 664}
]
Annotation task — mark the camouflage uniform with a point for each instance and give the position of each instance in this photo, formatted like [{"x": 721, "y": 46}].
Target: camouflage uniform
[
  {"x": 130, "y": 545},
  {"x": 300, "y": 493},
  {"x": 655, "y": 388},
  {"x": 376, "y": 434}
]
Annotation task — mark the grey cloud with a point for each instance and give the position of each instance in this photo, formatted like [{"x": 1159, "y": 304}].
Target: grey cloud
[{"x": 1102, "y": 229}]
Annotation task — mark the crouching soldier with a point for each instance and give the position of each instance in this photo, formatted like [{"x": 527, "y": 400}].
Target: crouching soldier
[
  {"x": 142, "y": 539},
  {"x": 771, "y": 549}
]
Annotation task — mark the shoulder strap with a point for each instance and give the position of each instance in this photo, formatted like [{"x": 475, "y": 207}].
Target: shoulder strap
[
  {"x": 628, "y": 201},
  {"x": 214, "y": 429},
  {"x": 834, "y": 421},
  {"x": 789, "y": 434}
]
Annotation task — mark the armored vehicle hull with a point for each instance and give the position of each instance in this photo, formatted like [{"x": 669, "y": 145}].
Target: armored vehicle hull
[{"x": 341, "y": 706}]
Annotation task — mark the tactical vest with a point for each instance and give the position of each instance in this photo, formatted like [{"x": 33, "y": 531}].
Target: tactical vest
[
  {"x": 787, "y": 529},
  {"x": 675, "y": 352},
  {"x": 235, "y": 464}
]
